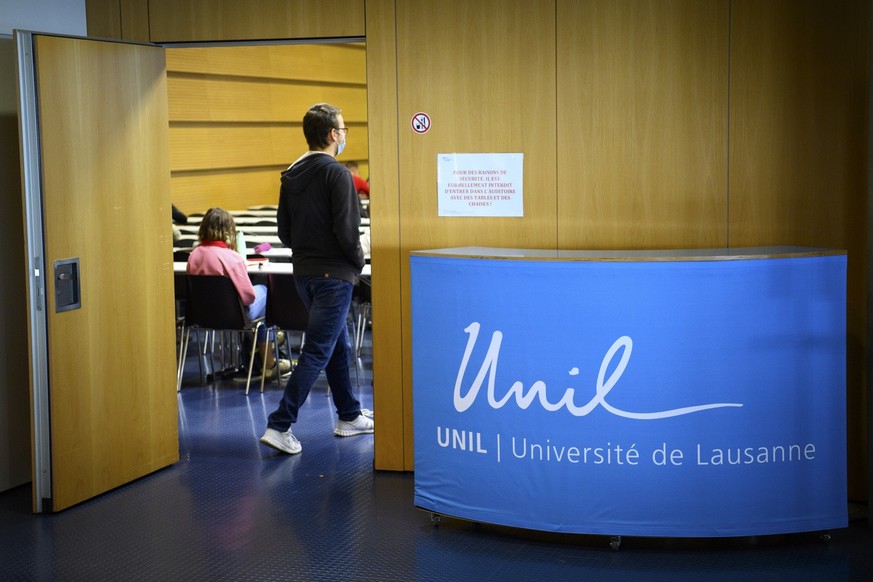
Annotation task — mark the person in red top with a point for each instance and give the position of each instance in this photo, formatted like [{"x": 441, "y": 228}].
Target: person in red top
[
  {"x": 215, "y": 254},
  {"x": 362, "y": 187}
]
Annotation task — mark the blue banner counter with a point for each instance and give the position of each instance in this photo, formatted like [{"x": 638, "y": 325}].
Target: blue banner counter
[{"x": 688, "y": 393}]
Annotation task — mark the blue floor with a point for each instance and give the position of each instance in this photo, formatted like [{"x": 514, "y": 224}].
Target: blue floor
[{"x": 232, "y": 509}]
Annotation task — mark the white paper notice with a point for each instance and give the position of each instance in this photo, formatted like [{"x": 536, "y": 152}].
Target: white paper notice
[{"x": 480, "y": 184}]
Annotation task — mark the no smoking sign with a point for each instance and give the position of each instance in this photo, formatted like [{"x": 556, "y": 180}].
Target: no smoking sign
[{"x": 420, "y": 122}]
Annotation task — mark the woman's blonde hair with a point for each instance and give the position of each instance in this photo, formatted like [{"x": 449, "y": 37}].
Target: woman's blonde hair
[{"x": 218, "y": 225}]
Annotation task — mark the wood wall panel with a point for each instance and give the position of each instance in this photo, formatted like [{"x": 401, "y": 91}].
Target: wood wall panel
[
  {"x": 324, "y": 63},
  {"x": 234, "y": 190},
  {"x": 236, "y": 116},
  {"x": 207, "y": 99},
  {"x": 502, "y": 103},
  {"x": 118, "y": 19},
  {"x": 103, "y": 18},
  {"x": 204, "y": 20},
  {"x": 798, "y": 152},
  {"x": 391, "y": 397},
  {"x": 217, "y": 147},
  {"x": 642, "y": 127},
  {"x": 134, "y": 20},
  {"x": 797, "y": 96}
]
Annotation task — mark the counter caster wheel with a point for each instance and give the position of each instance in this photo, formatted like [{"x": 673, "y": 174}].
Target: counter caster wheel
[
  {"x": 435, "y": 519},
  {"x": 615, "y": 543}
]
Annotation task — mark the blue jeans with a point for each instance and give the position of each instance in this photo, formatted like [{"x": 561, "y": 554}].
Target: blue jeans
[{"x": 326, "y": 348}]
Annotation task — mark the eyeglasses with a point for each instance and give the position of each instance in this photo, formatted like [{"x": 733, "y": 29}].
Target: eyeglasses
[{"x": 341, "y": 129}]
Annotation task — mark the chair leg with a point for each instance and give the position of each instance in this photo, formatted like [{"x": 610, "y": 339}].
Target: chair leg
[
  {"x": 367, "y": 315},
  {"x": 180, "y": 329},
  {"x": 359, "y": 331},
  {"x": 234, "y": 343},
  {"x": 225, "y": 344},
  {"x": 204, "y": 348},
  {"x": 200, "y": 354},
  {"x": 275, "y": 360},
  {"x": 252, "y": 359},
  {"x": 210, "y": 369},
  {"x": 184, "y": 356},
  {"x": 363, "y": 314},
  {"x": 216, "y": 364},
  {"x": 230, "y": 350},
  {"x": 180, "y": 364}
]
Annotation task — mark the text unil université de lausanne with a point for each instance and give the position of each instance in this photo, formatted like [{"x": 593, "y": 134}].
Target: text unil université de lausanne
[{"x": 521, "y": 448}]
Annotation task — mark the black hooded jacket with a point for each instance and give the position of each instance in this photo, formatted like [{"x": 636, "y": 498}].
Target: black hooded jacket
[{"x": 319, "y": 218}]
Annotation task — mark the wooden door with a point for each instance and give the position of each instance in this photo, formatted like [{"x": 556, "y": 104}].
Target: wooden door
[{"x": 97, "y": 204}]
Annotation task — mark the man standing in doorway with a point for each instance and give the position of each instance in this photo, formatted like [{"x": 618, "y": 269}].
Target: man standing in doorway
[{"x": 318, "y": 220}]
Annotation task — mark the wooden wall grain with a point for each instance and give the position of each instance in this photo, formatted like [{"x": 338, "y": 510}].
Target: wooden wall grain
[
  {"x": 798, "y": 153},
  {"x": 236, "y": 116},
  {"x": 207, "y": 20},
  {"x": 643, "y": 117}
]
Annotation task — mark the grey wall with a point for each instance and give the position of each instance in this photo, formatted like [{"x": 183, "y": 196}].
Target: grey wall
[{"x": 61, "y": 16}]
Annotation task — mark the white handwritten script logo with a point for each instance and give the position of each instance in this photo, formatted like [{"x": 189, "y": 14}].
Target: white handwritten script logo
[{"x": 538, "y": 389}]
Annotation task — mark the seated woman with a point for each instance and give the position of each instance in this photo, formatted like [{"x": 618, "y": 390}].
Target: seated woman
[{"x": 215, "y": 255}]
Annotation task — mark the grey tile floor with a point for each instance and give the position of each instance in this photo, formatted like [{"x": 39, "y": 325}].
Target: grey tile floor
[{"x": 231, "y": 509}]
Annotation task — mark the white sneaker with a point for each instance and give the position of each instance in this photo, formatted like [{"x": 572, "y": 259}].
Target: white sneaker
[
  {"x": 361, "y": 425},
  {"x": 368, "y": 413},
  {"x": 282, "y": 441}
]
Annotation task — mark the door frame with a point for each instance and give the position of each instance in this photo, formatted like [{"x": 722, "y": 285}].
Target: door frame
[{"x": 31, "y": 186}]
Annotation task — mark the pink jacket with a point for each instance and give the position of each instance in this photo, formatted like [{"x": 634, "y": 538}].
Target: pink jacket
[{"x": 215, "y": 260}]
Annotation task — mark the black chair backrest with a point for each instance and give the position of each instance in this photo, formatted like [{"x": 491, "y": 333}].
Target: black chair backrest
[
  {"x": 180, "y": 286},
  {"x": 285, "y": 309},
  {"x": 364, "y": 289},
  {"x": 213, "y": 303}
]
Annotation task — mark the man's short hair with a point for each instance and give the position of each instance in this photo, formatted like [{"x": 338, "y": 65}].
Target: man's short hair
[{"x": 317, "y": 123}]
